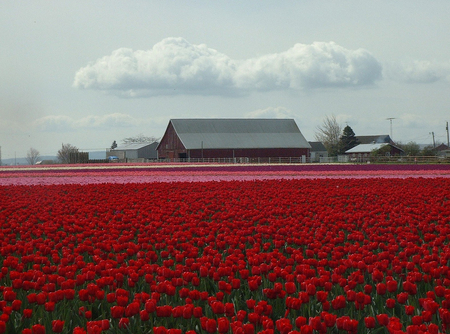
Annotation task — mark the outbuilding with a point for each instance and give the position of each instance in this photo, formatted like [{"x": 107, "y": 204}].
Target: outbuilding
[
  {"x": 244, "y": 139},
  {"x": 135, "y": 151},
  {"x": 364, "y": 151},
  {"x": 318, "y": 151}
]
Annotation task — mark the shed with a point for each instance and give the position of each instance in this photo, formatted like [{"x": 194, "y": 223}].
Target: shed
[
  {"x": 134, "y": 151},
  {"x": 365, "y": 150},
  {"x": 232, "y": 138},
  {"x": 375, "y": 139},
  {"x": 318, "y": 151}
]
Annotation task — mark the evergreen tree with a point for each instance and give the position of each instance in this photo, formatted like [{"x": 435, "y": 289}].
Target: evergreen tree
[
  {"x": 114, "y": 145},
  {"x": 348, "y": 140}
]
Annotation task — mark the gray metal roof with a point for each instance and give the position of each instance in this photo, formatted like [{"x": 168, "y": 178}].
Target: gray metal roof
[
  {"x": 366, "y": 148},
  {"x": 374, "y": 139},
  {"x": 239, "y": 133},
  {"x": 317, "y": 146},
  {"x": 133, "y": 146}
]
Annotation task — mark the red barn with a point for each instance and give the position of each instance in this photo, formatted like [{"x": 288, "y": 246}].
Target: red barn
[{"x": 213, "y": 138}]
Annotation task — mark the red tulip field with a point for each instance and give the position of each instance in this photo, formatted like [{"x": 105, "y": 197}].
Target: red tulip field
[{"x": 259, "y": 251}]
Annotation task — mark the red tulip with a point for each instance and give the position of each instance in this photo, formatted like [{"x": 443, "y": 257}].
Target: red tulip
[
  {"x": 124, "y": 323},
  {"x": 132, "y": 309},
  {"x": 16, "y": 304},
  {"x": 381, "y": 288},
  {"x": 409, "y": 309},
  {"x": 383, "y": 319},
  {"x": 306, "y": 329},
  {"x": 283, "y": 325},
  {"x": 223, "y": 325},
  {"x": 300, "y": 321},
  {"x": 390, "y": 303},
  {"x": 27, "y": 313},
  {"x": 211, "y": 326},
  {"x": 117, "y": 312},
  {"x": 38, "y": 329},
  {"x": 391, "y": 286},
  {"x": 57, "y": 326},
  {"x": 369, "y": 322}
]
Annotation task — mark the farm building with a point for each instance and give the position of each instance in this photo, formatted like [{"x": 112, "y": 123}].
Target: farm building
[
  {"x": 135, "y": 151},
  {"x": 243, "y": 139},
  {"x": 378, "y": 139},
  {"x": 366, "y": 150},
  {"x": 318, "y": 151}
]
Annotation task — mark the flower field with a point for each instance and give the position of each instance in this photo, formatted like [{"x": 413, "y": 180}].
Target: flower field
[
  {"x": 228, "y": 250},
  {"x": 144, "y": 173}
]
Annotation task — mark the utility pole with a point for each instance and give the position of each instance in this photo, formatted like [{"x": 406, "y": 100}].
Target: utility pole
[
  {"x": 434, "y": 143},
  {"x": 446, "y": 128},
  {"x": 390, "y": 120}
]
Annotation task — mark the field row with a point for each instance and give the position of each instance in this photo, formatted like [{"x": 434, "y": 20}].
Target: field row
[
  {"x": 263, "y": 256},
  {"x": 144, "y": 173}
]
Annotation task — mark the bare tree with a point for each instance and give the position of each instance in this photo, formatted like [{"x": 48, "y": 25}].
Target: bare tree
[
  {"x": 329, "y": 134},
  {"x": 140, "y": 138},
  {"x": 65, "y": 152},
  {"x": 32, "y": 156}
]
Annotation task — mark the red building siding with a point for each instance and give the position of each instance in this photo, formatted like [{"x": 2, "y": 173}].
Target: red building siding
[
  {"x": 249, "y": 153},
  {"x": 171, "y": 146}
]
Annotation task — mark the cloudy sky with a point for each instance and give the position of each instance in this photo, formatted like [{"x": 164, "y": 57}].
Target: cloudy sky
[{"x": 91, "y": 72}]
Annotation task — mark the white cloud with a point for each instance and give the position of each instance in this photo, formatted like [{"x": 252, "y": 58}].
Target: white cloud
[
  {"x": 175, "y": 66},
  {"x": 66, "y": 123},
  {"x": 419, "y": 71},
  {"x": 271, "y": 112},
  {"x": 310, "y": 66}
]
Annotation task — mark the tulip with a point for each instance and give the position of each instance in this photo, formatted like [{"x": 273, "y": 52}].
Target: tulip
[
  {"x": 390, "y": 303},
  {"x": 381, "y": 288},
  {"x": 382, "y": 319},
  {"x": 57, "y": 326},
  {"x": 223, "y": 325},
  {"x": 369, "y": 322},
  {"x": 38, "y": 329},
  {"x": 211, "y": 326}
]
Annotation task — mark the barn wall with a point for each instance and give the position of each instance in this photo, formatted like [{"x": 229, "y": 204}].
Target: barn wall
[
  {"x": 171, "y": 146},
  {"x": 148, "y": 152},
  {"x": 249, "y": 153}
]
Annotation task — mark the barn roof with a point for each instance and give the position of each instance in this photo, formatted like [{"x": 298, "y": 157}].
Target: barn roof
[
  {"x": 317, "y": 146},
  {"x": 367, "y": 148},
  {"x": 374, "y": 139},
  {"x": 239, "y": 133},
  {"x": 133, "y": 146}
]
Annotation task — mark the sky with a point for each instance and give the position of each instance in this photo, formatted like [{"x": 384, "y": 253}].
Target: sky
[{"x": 92, "y": 72}]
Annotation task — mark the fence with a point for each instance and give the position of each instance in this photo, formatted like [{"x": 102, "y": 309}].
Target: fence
[
  {"x": 342, "y": 159},
  {"x": 401, "y": 159},
  {"x": 240, "y": 160},
  {"x": 295, "y": 160}
]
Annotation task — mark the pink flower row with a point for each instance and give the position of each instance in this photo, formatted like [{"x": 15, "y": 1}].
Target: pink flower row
[{"x": 180, "y": 175}]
